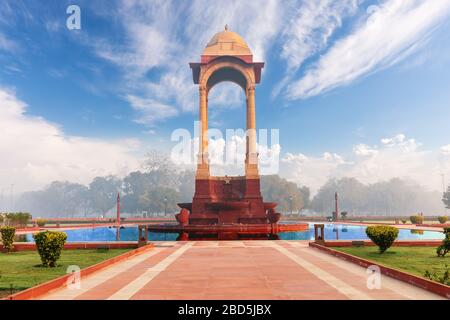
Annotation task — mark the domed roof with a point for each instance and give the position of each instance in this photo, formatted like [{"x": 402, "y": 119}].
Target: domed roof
[{"x": 227, "y": 43}]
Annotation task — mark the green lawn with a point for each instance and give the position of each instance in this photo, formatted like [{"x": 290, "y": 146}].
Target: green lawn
[
  {"x": 414, "y": 260},
  {"x": 22, "y": 270}
]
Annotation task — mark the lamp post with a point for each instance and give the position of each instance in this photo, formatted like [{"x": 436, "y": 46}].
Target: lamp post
[
  {"x": 12, "y": 197},
  {"x": 336, "y": 199},
  {"x": 443, "y": 182},
  {"x": 290, "y": 199},
  {"x": 165, "y": 207},
  {"x": 118, "y": 209}
]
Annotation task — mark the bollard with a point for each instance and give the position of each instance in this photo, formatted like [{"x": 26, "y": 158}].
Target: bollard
[{"x": 319, "y": 228}]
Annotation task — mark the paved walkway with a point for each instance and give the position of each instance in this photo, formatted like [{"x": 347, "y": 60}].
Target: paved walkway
[{"x": 236, "y": 270}]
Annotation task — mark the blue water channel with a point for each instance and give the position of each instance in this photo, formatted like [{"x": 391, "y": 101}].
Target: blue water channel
[{"x": 332, "y": 232}]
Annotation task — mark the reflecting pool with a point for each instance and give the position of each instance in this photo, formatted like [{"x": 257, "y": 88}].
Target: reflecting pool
[{"x": 332, "y": 232}]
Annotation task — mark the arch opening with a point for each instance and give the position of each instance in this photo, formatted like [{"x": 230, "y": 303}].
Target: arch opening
[
  {"x": 227, "y": 144},
  {"x": 227, "y": 74}
]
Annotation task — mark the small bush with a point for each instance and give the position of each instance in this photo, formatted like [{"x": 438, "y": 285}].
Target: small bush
[
  {"x": 404, "y": 221},
  {"x": 416, "y": 219},
  {"x": 433, "y": 276},
  {"x": 49, "y": 245},
  {"x": 444, "y": 248},
  {"x": 382, "y": 236},
  {"x": 443, "y": 219},
  {"x": 8, "y": 234},
  {"x": 41, "y": 222}
]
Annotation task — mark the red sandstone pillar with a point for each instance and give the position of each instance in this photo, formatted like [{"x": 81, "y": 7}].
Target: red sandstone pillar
[{"x": 203, "y": 161}]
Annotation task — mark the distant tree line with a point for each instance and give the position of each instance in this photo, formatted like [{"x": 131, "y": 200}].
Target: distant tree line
[
  {"x": 159, "y": 186},
  {"x": 141, "y": 192},
  {"x": 387, "y": 198}
]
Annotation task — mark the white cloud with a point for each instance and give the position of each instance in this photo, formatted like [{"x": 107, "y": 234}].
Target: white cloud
[
  {"x": 150, "y": 110},
  {"x": 308, "y": 32},
  {"x": 163, "y": 36},
  {"x": 398, "y": 139},
  {"x": 226, "y": 153},
  {"x": 309, "y": 170},
  {"x": 445, "y": 150},
  {"x": 311, "y": 28},
  {"x": 364, "y": 150},
  {"x": 7, "y": 44},
  {"x": 394, "y": 157},
  {"x": 36, "y": 152},
  {"x": 167, "y": 35},
  {"x": 389, "y": 34}
]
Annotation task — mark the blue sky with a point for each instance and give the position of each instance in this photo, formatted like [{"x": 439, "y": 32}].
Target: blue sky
[{"x": 357, "y": 88}]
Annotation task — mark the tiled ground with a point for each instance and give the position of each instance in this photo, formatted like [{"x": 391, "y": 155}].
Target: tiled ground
[{"x": 236, "y": 270}]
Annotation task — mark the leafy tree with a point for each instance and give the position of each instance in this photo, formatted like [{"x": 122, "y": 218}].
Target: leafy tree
[
  {"x": 444, "y": 248},
  {"x": 352, "y": 194},
  {"x": 161, "y": 169},
  {"x": 285, "y": 193},
  {"x": 159, "y": 200},
  {"x": 103, "y": 193},
  {"x": 59, "y": 199},
  {"x": 186, "y": 185},
  {"x": 306, "y": 194},
  {"x": 446, "y": 198}
]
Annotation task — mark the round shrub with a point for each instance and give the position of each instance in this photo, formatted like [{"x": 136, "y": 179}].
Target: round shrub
[
  {"x": 382, "y": 236},
  {"x": 49, "y": 245},
  {"x": 7, "y": 235},
  {"x": 416, "y": 219},
  {"x": 41, "y": 222},
  {"x": 443, "y": 219}
]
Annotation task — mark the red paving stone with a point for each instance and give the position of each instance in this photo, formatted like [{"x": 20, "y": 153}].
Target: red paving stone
[
  {"x": 241, "y": 273},
  {"x": 356, "y": 281},
  {"x": 240, "y": 270},
  {"x": 106, "y": 289}
]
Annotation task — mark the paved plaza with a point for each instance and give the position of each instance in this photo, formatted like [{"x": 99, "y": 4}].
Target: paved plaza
[{"x": 235, "y": 270}]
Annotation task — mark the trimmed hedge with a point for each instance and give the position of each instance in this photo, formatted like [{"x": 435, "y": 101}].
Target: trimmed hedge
[
  {"x": 416, "y": 219},
  {"x": 382, "y": 236},
  {"x": 443, "y": 219},
  {"x": 49, "y": 245},
  {"x": 444, "y": 248},
  {"x": 7, "y": 235}
]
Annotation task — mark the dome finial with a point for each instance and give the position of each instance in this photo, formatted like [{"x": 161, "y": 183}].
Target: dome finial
[{"x": 226, "y": 27}]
